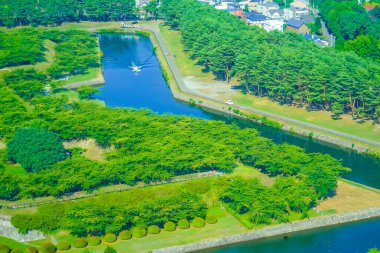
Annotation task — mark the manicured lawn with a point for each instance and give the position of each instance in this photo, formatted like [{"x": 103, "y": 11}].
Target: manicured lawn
[
  {"x": 321, "y": 118},
  {"x": 186, "y": 66},
  {"x": 92, "y": 73},
  {"x": 226, "y": 225},
  {"x": 12, "y": 243}
]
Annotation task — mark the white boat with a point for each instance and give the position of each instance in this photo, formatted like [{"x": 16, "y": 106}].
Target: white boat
[{"x": 135, "y": 68}]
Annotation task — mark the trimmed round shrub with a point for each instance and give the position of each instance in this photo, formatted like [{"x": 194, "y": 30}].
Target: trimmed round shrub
[
  {"x": 153, "y": 229},
  {"x": 48, "y": 248},
  {"x": 110, "y": 238},
  {"x": 125, "y": 235},
  {"x": 80, "y": 243},
  {"x": 16, "y": 251},
  {"x": 63, "y": 245},
  {"x": 4, "y": 248},
  {"x": 198, "y": 222},
  {"x": 183, "y": 224},
  {"x": 139, "y": 232},
  {"x": 94, "y": 240},
  {"x": 169, "y": 226},
  {"x": 30, "y": 250},
  {"x": 211, "y": 219}
]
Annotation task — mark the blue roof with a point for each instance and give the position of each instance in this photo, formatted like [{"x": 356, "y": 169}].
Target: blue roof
[
  {"x": 255, "y": 16},
  {"x": 295, "y": 23}
]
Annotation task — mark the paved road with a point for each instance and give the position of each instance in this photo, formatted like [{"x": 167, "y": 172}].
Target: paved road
[
  {"x": 183, "y": 87},
  {"x": 325, "y": 32}
]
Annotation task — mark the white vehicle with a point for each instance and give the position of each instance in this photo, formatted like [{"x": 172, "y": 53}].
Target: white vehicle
[{"x": 229, "y": 102}]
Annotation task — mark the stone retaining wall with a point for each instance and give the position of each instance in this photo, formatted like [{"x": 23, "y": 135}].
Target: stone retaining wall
[
  {"x": 9, "y": 231},
  {"x": 276, "y": 230}
]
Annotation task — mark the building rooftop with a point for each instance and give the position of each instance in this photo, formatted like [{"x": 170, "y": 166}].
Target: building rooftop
[
  {"x": 295, "y": 23},
  {"x": 254, "y": 16}
]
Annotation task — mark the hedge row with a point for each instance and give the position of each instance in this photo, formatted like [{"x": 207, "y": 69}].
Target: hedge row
[{"x": 110, "y": 238}]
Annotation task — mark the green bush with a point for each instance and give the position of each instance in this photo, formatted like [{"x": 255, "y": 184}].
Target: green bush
[
  {"x": 63, "y": 245},
  {"x": 183, "y": 224},
  {"x": 80, "y": 243},
  {"x": 110, "y": 238},
  {"x": 125, "y": 235},
  {"x": 16, "y": 251},
  {"x": 139, "y": 232},
  {"x": 48, "y": 248},
  {"x": 211, "y": 219},
  {"x": 30, "y": 250},
  {"x": 198, "y": 222},
  {"x": 153, "y": 229},
  {"x": 169, "y": 226},
  {"x": 94, "y": 240},
  {"x": 110, "y": 250},
  {"x": 4, "y": 248}
]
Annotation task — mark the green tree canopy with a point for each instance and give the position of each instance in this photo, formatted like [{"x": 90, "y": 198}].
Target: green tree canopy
[{"x": 35, "y": 149}]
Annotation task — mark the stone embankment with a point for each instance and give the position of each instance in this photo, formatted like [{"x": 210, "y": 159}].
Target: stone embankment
[
  {"x": 9, "y": 231},
  {"x": 276, "y": 230}
]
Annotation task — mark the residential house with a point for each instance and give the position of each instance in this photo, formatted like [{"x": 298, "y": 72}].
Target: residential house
[
  {"x": 255, "y": 18},
  {"x": 264, "y": 8},
  {"x": 300, "y": 4},
  {"x": 307, "y": 19},
  {"x": 298, "y": 26},
  {"x": 318, "y": 40},
  {"x": 275, "y": 14},
  {"x": 272, "y": 25},
  {"x": 224, "y": 4},
  {"x": 236, "y": 12},
  {"x": 294, "y": 13}
]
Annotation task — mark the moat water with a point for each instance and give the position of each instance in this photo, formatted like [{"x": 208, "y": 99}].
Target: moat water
[{"x": 148, "y": 89}]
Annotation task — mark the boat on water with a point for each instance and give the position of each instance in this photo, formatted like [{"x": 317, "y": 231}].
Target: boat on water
[{"x": 135, "y": 68}]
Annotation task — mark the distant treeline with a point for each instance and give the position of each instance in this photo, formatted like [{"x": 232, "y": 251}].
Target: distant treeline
[
  {"x": 55, "y": 12},
  {"x": 282, "y": 66},
  {"x": 355, "y": 29}
]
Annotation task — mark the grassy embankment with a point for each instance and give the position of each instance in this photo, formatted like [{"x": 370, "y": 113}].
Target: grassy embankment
[
  {"x": 188, "y": 67},
  {"x": 227, "y": 224}
]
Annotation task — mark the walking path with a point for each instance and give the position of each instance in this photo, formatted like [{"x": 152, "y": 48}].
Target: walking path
[{"x": 184, "y": 88}]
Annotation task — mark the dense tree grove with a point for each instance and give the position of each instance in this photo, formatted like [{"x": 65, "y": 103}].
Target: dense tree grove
[
  {"x": 264, "y": 204},
  {"x": 35, "y": 149},
  {"x": 76, "y": 51},
  {"x": 20, "y": 47},
  {"x": 136, "y": 208},
  {"x": 146, "y": 147},
  {"x": 282, "y": 66},
  {"x": 354, "y": 28},
  {"x": 55, "y": 12}
]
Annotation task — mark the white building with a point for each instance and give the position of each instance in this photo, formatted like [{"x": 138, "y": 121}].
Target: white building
[
  {"x": 296, "y": 13},
  {"x": 301, "y": 4},
  {"x": 266, "y": 7},
  {"x": 272, "y": 25}
]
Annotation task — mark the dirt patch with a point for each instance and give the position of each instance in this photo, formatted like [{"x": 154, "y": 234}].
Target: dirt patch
[
  {"x": 93, "y": 151},
  {"x": 2, "y": 145},
  {"x": 349, "y": 198}
]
